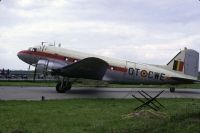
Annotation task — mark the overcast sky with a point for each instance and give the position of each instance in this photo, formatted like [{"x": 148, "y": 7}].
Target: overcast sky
[{"x": 148, "y": 31}]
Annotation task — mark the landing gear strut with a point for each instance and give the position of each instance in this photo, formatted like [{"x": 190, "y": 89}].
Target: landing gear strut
[
  {"x": 63, "y": 86},
  {"x": 172, "y": 89}
]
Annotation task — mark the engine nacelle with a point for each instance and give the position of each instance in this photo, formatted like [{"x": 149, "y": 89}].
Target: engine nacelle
[{"x": 48, "y": 65}]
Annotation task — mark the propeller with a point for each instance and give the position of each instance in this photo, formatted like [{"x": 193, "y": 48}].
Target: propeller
[
  {"x": 29, "y": 67},
  {"x": 35, "y": 72}
]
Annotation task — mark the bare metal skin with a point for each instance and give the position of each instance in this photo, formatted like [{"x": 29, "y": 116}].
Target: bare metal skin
[{"x": 183, "y": 68}]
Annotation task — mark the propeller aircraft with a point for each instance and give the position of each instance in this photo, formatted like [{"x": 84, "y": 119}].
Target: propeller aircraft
[{"x": 183, "y": 68}]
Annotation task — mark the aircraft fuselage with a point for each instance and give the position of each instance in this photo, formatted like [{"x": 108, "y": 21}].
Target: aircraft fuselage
[{"x": 118, "y": 70}]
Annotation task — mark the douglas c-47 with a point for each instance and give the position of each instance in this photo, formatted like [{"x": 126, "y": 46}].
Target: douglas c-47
[{"x": 183, "y": 68}]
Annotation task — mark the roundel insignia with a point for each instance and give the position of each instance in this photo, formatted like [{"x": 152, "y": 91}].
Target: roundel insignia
[{"x": 144, "y": 73}]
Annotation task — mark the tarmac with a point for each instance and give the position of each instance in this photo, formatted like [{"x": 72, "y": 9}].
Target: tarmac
[{"x": 37, "y": 93}]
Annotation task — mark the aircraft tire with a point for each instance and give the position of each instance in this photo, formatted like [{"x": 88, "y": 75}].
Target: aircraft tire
[
  {"x": 61, "y": 88},
  {"x": 68, "y": 86},
  {"x": 172, "y": 89}
]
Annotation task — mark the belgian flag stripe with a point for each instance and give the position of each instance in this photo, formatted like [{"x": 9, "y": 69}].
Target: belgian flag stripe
[
  {"x": 181, "y": 64},
  {"x": 175, "y": 65},
  {"x": 178, "y": 65}
]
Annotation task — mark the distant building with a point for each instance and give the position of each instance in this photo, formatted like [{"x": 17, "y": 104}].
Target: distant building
[{"x": 22, "y": 74}]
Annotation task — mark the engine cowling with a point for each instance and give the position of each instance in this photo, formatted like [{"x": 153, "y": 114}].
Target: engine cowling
[{"x": 48, "y": 65}]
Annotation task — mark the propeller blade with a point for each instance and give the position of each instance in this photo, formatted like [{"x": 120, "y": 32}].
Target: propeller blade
[
  {"x": 35, "y": 71},
  {"x": 29, "y": 67}
]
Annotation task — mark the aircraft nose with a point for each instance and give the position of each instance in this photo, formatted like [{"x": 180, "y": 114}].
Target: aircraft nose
[
  {"x": 22, "y": 55},
  {"x": 27, "y": 57}
]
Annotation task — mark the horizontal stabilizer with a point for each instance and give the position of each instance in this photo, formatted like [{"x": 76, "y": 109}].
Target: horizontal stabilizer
[
  {"x": 183, "y": 80},
  {"x": 88, "y": 68}
]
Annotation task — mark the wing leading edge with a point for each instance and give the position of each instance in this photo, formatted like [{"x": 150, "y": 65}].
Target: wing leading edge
[{"x": 88, "y": 68}]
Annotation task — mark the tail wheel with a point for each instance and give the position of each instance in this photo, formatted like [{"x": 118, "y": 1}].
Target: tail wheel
[{"x": 172, "y": 89}]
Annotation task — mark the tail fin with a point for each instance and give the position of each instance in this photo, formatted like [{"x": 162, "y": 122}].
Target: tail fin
[{"x": 186, "y": 62}]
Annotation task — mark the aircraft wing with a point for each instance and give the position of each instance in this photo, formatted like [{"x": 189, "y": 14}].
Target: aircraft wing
[{"x": 88, "y": 68}]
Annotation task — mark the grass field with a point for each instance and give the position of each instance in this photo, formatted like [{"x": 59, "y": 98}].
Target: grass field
[
  {"x": 91, "y": 83},
  {"x": 98, "y": 115}
]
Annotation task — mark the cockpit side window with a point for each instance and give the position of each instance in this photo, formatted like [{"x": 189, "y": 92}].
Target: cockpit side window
[{"x": 34, "y": 49}]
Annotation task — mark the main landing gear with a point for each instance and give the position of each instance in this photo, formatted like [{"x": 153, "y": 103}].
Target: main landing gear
[{"x": 63, "y": 86}]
